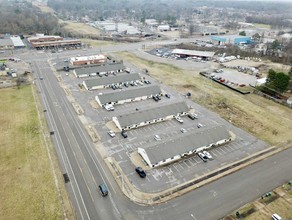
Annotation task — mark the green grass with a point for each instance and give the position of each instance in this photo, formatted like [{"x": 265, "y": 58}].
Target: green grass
[
  {"x": 262, "y": 25},
  {"x": 28, "y": 190}
]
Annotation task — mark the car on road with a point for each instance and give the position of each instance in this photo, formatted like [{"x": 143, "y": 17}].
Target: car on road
[
  {"x": 41, "y": 78},
  {"x": 199, "y": 125},
  {"x": 203, "y": 156},
  {"x": 141, "y": 172},
  {"x": 157, "y": 137},
  {"x": 183, "y": 130},
  {"x": 103, "y": 189},
  {"x": 179, "y": 119},
  {"x": 111, "y": 133},
  {"x": 208, "y": 155},
  {"x": 124, "y": 134}
]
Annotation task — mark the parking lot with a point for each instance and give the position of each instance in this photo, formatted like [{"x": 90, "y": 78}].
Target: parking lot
[{"x": 122, "y": 149}]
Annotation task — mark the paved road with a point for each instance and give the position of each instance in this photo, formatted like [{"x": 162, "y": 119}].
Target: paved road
[{"x": 86, "y": 169}]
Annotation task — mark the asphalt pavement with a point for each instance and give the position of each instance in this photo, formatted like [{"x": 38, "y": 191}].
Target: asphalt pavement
[{"x": 86, "y": 169}]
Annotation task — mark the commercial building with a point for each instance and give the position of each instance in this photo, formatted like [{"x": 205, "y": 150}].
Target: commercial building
[
  {"x": 182, "y": 145},
  {"x": 128, "y": 95},
  {"x": 105, "y": 82},
  {"x": 41, "y": 41},
  {"x": 150, "y": 116},
  {"x": 86, "y": 60},
  {"x": 10, "y": 43},
  {"x": 232, "y": 39},
  {"x": 99, "y": 70},
  {"x": 206, "y": 55},
  {"x": 17, "y": 42}
]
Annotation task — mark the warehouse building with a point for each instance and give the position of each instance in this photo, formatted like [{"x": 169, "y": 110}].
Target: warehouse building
[
  {"x": 105, "y": 82},
  {"x": 86, "y": 60},
  {"x": 10, "y": 43},
  {"x": 205, "y": 55},
  {"x": 99, "y": 70},
  {"x": 150, "y": 116},
  {"x": 186, "y": 144},
  {"x": 129, "y": 95},
  {"x": 232, "y": 39}
]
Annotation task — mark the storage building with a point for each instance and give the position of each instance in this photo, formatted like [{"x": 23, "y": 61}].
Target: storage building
[{"x": 99, "y": 70}]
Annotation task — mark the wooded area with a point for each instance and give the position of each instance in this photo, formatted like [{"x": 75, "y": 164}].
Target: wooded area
[{"x": 23, "y": 17}]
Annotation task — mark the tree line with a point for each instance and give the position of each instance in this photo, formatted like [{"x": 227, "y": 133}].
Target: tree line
[{"x": 22, "y": 17}]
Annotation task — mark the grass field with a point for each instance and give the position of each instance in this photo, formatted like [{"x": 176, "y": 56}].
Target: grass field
[
  {"x": 267, "y": 26},
  {"x": 265, "y": 119},
  {"x": 80, "y": 28},
  {"x": 28, "y": 188},
  {"x": 97, "y": 43}
]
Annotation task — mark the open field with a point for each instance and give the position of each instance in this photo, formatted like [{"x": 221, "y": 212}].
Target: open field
[
  {"x": 267, "y": 26},
  {"x": 79, "y": 28},
  {"x": 97, "y": 43},
  {"x": 263, "y": 118},
  {"x": 29, "y": 189}
]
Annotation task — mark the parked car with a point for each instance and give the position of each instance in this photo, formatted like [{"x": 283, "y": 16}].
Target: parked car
[
  {"x": 157, "y": 137},
  {"x": 155, "y": 98},
  {"x": 179, "y": 119},
  {"x": 193, "y": 116},
  {"x": 124, "y": 134},
  {"x": 141, "y": 172},
  {"x": 203, "y": 156},
  {"x": 111, "y": 133},
  {"x": 208, "y": 155},
  {"x": 199, "y": 125},
  {"x": 183, "y": 130},
  {"x": 103, "y": 189},
  {"x": 167, "y": 95},
  {"x": 109, "y": 107}
]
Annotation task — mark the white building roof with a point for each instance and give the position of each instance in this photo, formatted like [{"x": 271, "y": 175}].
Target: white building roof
[
  {"x": 194, "y": 53},
  {"x": 88, "y": 58},
  {"x": 17, "y": 42}
]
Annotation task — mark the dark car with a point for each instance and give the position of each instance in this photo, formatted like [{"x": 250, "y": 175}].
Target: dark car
[
  {"x": 103, "y": 189},
  {"x": 193, "y": 116},
  {"x": 155, "y": 98},
  {"x": 124, "y": 134},
  {"x": 141, "y": 172},
  {"x": 66, "y": 178},
  {"x": 167, "y": 95}
]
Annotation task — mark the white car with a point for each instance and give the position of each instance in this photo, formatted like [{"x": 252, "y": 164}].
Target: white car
[
  {"x": 111, "y": 133},
  {"x": 109, "y": 107},
  {"x": 179, "y": 119},
  {"x": 199, "y": 125},
  {"x": 157, "y": 137},
  {"x": 207, "y": 154}
]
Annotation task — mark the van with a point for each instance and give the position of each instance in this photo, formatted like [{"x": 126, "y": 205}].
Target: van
[
  {"x": 103, "y": 189},
  {"x": 276, "y": 217}
]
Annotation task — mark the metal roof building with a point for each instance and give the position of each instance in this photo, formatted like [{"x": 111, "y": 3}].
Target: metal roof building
[
  {"x": 128, "y": 95},
  {"x": 17, "y": 42},
  {"x": 194, "y": 53},
  {"x": 99, "y": 70},
  {"x": 174, "y": 148},
  {"x": 149, "y": 116},
  {"x": 103, "y": 82},
  {"x": 6, "y": 43}
]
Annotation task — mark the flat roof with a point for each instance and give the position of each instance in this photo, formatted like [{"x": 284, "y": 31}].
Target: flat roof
[
  {"x": 88, "y": 58},
  {"x": 6, "y": 42},
  {"x": 129, "y": 94},
  {"x": 137, "y": 117},
  {"x": 100, "y": 68},
  {"x": 185, "y": 142},
  {"x": 112, "y": 80},
  {"x": 16, "y": 40},
  {"x": 194, "y": 53}
]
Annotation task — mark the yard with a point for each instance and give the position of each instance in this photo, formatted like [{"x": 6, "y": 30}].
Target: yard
[{"x": 31, "y": 185}]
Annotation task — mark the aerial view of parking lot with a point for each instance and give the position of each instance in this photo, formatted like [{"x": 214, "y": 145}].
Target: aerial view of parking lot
[{"x": 146, "y": 110}]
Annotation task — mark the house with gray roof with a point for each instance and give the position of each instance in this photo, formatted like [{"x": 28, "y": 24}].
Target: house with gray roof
[
  {"x": 100, "y": 70},
  {"x": 150, "y": 116},
  {"x": 105, "y": 82},
  {"x": 182, "y": 145},
  {"x": 128, "y": 95}
]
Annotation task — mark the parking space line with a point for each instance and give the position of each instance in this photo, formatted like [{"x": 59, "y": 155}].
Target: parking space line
[
  {"x": 226, "y": 148},
  {"x": 219, "y": 151}
]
